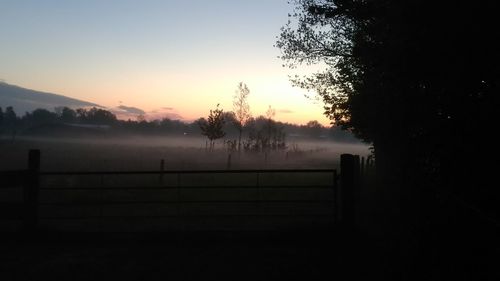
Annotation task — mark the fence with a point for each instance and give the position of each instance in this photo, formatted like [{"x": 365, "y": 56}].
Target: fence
[{"x": 112, "y": 200}]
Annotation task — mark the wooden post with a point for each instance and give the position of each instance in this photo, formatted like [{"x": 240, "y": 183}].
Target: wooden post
[{"x": 30, "y": 191}]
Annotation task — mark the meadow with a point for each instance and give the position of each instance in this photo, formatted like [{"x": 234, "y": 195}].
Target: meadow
[
  {"x": 175, "y": 201},
  {"x": 179, "y": 153}
]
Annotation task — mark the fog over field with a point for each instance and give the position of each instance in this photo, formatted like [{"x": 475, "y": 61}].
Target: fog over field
[{"x": 179, "y": 152}]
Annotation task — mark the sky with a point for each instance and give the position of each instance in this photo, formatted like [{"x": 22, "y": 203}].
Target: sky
[{"x": 166, "y": 57}]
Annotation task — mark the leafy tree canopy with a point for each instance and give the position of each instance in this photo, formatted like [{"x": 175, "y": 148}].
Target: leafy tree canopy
[
  {"x": 213, "y": 126},
  {"x": 411, "y": 71},
  {"x": 416, "y": 78}
]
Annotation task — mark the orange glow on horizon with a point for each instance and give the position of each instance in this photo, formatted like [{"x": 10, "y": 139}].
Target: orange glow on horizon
[
  {"x": 152, "y": 57},
  {"x": 160, "y": 98}
]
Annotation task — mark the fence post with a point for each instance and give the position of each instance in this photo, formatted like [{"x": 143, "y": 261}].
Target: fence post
[
  {"x": 30, "y": 191},
  {"x": 349, "y": 179}
]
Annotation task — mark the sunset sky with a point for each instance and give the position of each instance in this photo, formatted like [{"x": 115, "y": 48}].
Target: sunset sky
[{"x": 169, "y": 58}]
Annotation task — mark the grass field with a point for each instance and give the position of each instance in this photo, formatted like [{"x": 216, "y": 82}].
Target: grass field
[
  {"x": 141, "y": 153},
  {"x": 200, "y": 201},
  {"x": 162, "y": 239}
]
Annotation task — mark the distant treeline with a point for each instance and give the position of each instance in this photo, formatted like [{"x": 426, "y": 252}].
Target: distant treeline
[{"x": 97, "y": 121}]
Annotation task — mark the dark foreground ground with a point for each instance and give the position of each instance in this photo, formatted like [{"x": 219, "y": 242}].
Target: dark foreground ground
[
  {"x": 333, "y": 254},
  {"x": 187, "y": 256}
]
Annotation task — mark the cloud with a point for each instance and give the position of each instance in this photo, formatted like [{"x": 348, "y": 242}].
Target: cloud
[
  {"x": 130, "y": 112},
  {"x": 131, "y": 109},
  {"x": 172, "y": 116},
  {"x": 164, "y": 112},
  {"x": 127, "y": 112},
  {"x": 286, "y": 111}
]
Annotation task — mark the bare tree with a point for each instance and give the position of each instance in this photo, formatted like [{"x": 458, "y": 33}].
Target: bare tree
[
  {"x": 270, "y": 113},
  {"x": 10, "y": 120},
  {"x": 241, "y": 109}
]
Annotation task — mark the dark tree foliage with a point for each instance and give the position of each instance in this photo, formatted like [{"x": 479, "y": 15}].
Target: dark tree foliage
[
  {"x": 39, "y": 117},
  {"x": 265, "y": 134},
  {"x": 212, "y": 128},
  {"x": 66, "y": 114},
  {"x": 1, "y": 119},
  {"x": 10, "y": 116},
  {"x": 418, "y": 79},
  {"x": 231, "y": 126},
  {"x": 66, "y": 121},
  {"x": 96, "y": 116},
  {"x": 314, "y": 128},
  {"x": 10, "y": 121}
]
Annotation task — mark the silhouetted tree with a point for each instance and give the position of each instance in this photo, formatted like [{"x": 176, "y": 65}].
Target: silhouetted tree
[
  {"x": 66, "y": 114},
  {"x": 141, "y": 118},
  {"x": 396, "y": 80},
  {"x": 270, "y": 113},
  {"x": 10, "y": 121},
  {"x": 241, "y": 109},
  {"x": 212, "y": 128},
  {"x": 230, "y": 126},
  {"x": 39, "y": 117},
  {"x": 264, "y": 134},
  {"x": 314, "y": 128},
  {"x": 1, "y": 120},
  {"x": 100, "y": 116},
  {"x": 411, "y": 77},
  {"x": 95, "y": 116},
  {"x": 339, "y": 135},
  {"x": 81, "y": 114}
]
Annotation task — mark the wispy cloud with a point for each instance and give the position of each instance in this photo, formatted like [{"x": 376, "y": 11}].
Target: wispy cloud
[
  {"x": 285, "y": 111},
  {"x": 131, "y": 109},
  {"x": 127, "y": 112},
  {"x": 131, "y": 112},
  {"x": 164, "y": 112}
]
